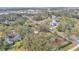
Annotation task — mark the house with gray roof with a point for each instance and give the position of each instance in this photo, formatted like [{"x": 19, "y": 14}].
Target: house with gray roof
[{"x": 12, "y": 37}]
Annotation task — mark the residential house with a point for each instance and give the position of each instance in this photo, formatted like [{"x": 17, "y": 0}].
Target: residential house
[{"x": 12, "y": 37}]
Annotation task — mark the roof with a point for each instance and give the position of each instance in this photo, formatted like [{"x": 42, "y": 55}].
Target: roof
[
  {"x": 54, "y": 23},
  {"x": 11, "y": 38}
]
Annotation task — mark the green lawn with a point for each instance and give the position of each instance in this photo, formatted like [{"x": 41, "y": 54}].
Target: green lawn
[
  {"x": 68, "y": 47},
  {"x": 77, "y": 49}
]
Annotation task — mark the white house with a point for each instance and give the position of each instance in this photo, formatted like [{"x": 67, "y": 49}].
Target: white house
[
  {"x": 54, "y": 22},
  {"x": 53, "y": 17}
]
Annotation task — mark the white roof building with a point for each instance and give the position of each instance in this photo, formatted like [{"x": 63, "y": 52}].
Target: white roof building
[
  {"x": 53, "y": 17},
  {"x": 54, "y": 23}
]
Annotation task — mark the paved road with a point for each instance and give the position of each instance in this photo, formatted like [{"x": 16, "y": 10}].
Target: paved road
[{"x": 72, "y": 49}]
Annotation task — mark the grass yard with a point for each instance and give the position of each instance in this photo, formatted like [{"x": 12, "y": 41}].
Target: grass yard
[
  {"x": 77, "y": 49},
  {"x": 1, "y": 34},
  {"x": 68, "y": 47}
]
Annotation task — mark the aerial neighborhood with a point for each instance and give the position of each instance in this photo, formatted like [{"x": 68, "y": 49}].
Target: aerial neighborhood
[{"x": 39, "y": 29}]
